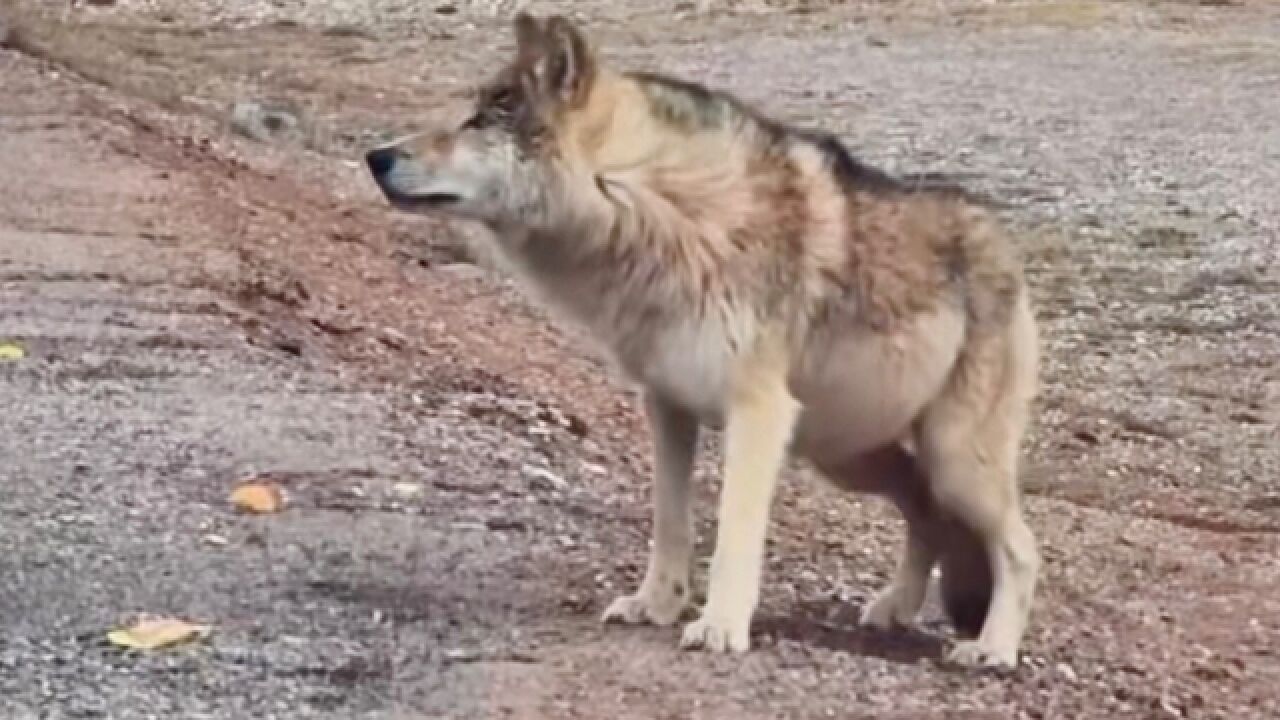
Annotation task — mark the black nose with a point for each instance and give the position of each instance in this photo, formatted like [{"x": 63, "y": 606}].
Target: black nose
[{"x": 382, "y": 160}]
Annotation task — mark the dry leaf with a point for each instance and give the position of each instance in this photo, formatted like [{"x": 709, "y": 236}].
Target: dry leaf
[
  {"x": 257, "y": 498},
  {"x": 154, "y": 633},
  {"x": 11, "y": 351}
]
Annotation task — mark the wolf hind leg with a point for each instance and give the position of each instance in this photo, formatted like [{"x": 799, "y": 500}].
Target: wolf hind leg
[
  {"x": 968, "y": 447},
  {"x": 894, "y": 473}
]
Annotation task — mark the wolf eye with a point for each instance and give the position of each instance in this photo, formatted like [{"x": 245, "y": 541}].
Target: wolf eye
[
  {"x": 497, "y": 107},
  {"x": 484, "y": 117},
  {"x": 503, "y": 103},
  {"x": 504, "y": 99},
  {"x": 478, "y": 121}
]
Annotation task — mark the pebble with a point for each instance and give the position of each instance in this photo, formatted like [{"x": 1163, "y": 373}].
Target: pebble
[
  {"x": 264, "y": 124},
  {"x": 542, "y": 477},
  {"x": 407, "y": 490},
  {"x": 462, "y": 270}
]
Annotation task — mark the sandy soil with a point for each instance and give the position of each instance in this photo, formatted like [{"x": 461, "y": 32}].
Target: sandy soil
[{"x": 467, "y": 481}]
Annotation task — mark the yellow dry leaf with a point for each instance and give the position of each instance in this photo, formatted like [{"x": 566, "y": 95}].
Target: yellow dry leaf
[
  {"x": 257, "y": 498},
  {"x": 154, "y": 633},
  {"x": 11, "y": 351}
]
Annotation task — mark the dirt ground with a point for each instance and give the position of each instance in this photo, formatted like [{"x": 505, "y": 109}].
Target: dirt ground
[{"x": 467, "y": 481}]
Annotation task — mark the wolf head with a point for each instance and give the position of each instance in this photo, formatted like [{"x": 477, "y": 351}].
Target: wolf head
[{"x": 508, "y": 163}]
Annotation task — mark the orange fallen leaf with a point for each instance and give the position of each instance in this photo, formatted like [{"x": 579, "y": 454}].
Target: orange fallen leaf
[
  {"x": 257, "y": 498},
  {"x": 155, "y": 633}
]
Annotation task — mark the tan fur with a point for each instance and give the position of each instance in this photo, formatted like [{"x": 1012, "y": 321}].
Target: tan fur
[{"x": 757, "y": 279}]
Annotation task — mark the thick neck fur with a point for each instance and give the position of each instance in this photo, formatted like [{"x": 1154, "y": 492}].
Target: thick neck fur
[{"x": 646, "y": 213}]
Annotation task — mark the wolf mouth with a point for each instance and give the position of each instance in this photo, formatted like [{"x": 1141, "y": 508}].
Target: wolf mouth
[
  {"x": 437, "y": 198},
  {"x": 427, "y": 199}
]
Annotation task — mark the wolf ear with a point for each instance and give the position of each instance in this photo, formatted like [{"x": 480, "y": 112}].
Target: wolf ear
[
  {"x": 567, "y": 67},
  {"x": 560, "y": 63},
  {"x": 530, "y": 38}
]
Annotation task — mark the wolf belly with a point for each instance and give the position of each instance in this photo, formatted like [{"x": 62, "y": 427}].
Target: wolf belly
[
  {"x": 858, "y": 391},
  {"x": 863, "y": 390}
]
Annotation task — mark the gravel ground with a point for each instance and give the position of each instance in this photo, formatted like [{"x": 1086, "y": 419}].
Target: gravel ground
[{"x": 465, "y": 480}]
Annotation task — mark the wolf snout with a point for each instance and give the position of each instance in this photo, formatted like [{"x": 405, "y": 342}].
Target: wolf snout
[{"x": 382, "y": 160}]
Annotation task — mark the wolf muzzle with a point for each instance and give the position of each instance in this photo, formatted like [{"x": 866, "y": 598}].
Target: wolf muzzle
[{"x": 382, "y": 160}]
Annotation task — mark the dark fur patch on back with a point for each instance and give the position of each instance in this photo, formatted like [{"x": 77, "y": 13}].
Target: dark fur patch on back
[
  {"x": 692, "y": 106},
  {"x": 687, "y": 105},
  {"x": 938, "y": 183},
  {"x": 857, "y": 175},
  {"x": 848, "y": 170}
]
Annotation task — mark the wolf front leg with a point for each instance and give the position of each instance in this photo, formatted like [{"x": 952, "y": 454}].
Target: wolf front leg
[
  {"x": 664, "y": 592},
  {"x": 761, "y": 416}
]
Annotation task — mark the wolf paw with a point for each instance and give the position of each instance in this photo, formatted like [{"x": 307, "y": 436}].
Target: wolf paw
[
  {"x": 974, "y": 655},
  {"x": 645, "y": 606},
  {"x": 716, "y": 635},
  {"x": 889, "y": 610}
]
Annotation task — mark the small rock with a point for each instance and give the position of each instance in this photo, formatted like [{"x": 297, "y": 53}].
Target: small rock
[
  {"x": 93, "y": 360},
  {"x": 258, "y": 122},
  {"x": 501, "y": 524},
  {"x": 543, "y": 477},
  {"x": 462, "y": 271},
  {"x": 576, "y": 426},
  {"x": 393, "y": 338},
  {"x": 407, "y": 490},
  {"x": 215, "y": 540},
  {"x": 462, "y": 655},
  {"x": 1067, "y": 673}
]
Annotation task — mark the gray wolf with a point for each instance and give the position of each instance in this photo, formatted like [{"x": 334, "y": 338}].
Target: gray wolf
[{"x": 756, "y": 278}]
